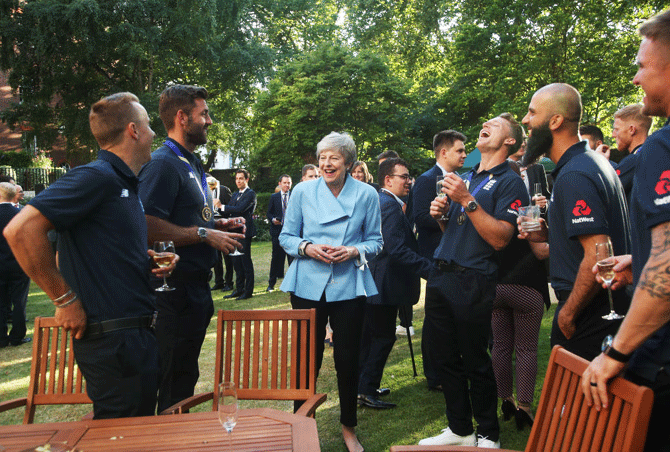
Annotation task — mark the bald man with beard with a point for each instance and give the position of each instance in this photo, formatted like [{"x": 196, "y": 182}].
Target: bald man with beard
[{"x": 587, "y": 206}]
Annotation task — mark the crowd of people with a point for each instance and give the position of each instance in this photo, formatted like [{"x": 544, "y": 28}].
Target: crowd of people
[{"x": 357, "y": 250}]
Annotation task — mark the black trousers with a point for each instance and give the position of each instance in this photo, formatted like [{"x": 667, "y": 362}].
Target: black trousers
[
  {"x": 183, "y": 317},
  {"x": 244, "y": 269},
  {"x": 458, "y": 318},
  {"x": 428, "y": 368},
  {"x": 658, "y": 435},
  {"x": 591, "y": 327},
  {"x": 277, "y": 262},
  {"x": 13, "y": 297},
  {"x": 346, "y": 320},
  {"x": 121, "y": 371},
  {"x": 219, "y": 277},
  {"x": 376, "y": 344}
]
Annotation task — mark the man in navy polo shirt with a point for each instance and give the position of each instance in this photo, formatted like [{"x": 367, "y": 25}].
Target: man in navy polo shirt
[
  {"x": 643, "y": 341},
  {"x": 630, "y": 131},
  {"x": 482, "y": 214},
  {"x": 101, "y": 284},
  {"x": 178, "y": 207},
  {"x": 587, "y": 206}
]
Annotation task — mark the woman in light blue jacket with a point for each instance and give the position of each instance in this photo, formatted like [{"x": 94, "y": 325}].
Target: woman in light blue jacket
[{"x": 332, "y": 227}]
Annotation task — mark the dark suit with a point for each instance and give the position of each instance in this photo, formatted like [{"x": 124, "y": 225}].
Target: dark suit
[
  {"x": 429, "y": 236},
  {"x": 396, "y": 271},
  {"x": 224, "y": 194},
  {"x": 243, "y": 205},
  {"x": 276, "y": 211},
  {"x": 14, "y": 285}
]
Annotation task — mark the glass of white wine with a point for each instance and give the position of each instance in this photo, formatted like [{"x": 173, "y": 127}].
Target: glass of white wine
[
  {"x": 440, "y": 194},
  {"x": 163, "y": 258},
  {"x": 605, "y": 261},
  {"x": 228, "y": 408},
  {"x": 237, "y": 252}
]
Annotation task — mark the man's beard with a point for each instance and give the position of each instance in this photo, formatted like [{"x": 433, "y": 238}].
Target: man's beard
[
  {"x": 195, "y": 134},
  {"x": 539, "y": 144}
]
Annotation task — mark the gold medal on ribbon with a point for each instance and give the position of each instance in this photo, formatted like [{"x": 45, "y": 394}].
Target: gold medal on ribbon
[{"x": 206, "y": 213}]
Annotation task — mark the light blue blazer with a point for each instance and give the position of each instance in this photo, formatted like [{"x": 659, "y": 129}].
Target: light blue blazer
[{"x": 351, "y": 219}]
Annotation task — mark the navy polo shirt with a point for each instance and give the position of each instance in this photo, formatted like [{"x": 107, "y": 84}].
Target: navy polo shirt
[
  {"x": 170, "y": 192},
  {"x": 587, "y": 199},
  {"x": 626, "y": 169},
  {"x": 501, "y": 194},
  {"x": 650, "y": 207},
  {"x": 102, "y": 250}
]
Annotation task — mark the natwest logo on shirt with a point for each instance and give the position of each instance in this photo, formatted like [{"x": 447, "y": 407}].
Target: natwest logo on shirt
[
  {"x": 581, "y": 208},
  {"x": 516, "y": 204},
  {"x": 663, "y": 188}
]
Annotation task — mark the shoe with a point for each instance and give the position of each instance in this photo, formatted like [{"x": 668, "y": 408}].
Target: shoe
[
  {"x": 522, "y": 417},
  {"x": 244, "y": 297},
  {"x": 485, "y": 443},
  {"x": 4, "y": 344},
  {"x": 218, "y": 286},
  {"x": 270, "y": 289},
  {"x": 227, "y": 288},
  {"x": 508, "y": 409},
  {"x": 234, "y": 295},
  {"x": 436, "y": 388},
  {"x": 402, "y": 331},
  {"x": 449, "y": 438},
  {"x": 373, "y": 402},
  {"x": 25, "y": 340},
  {"x": 383, "y": 391}
]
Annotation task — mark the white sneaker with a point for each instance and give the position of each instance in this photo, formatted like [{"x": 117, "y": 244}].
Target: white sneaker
[
  {"x": 402, "y": 331},
  {"x": 449, "y": 438},
  {"x": 484, "y": 442}
]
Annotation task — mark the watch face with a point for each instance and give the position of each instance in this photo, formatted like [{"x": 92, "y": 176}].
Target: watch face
[{"x": 607, "y": 342}]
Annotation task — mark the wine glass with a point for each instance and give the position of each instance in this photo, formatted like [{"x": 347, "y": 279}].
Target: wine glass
[
  {"x": 237, "y": 252},
  {"x": 440, "y": 194},
  {"x": 228, "y": 408},
  {"x": 605, "y": 261},
  {"x": 163, "y": 258}
]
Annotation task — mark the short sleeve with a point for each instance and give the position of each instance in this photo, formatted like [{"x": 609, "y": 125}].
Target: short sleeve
[
  {"x": 512, "y": 194},
  {"x": 74, "y": 196},
  {"x": 584, "y": 207},
  {"x": 652, "y": 179},
  {"x": 159, "y": 188}
]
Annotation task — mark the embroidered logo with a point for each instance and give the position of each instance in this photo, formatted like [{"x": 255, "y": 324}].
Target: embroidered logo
[
  {"x": 124, "y": 193},
  {"x": 516, "y": 204},
  {"x": 581, "y": 208},
  {"x": 663, "y": 184},
  {"x": 618, "y": 172}
]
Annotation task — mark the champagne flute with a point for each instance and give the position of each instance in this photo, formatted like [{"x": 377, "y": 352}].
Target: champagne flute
[
  {"x": 237, "y": 252},
  {"x": 228, "y": 409},
  {"x": 605, "y": 261},
  {"x": 440, "y": 194},
  {"x": 163, "y": 258}
]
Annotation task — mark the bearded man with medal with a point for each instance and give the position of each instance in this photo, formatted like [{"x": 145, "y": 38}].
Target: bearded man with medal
[
  {"x": 481, "y": 212},
  {"x": 178, "y": 207}
]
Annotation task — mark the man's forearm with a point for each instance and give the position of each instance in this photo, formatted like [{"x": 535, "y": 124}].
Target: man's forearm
[
  {"x": 160, "y": 230},
  {"x": 584, "y": 288}
]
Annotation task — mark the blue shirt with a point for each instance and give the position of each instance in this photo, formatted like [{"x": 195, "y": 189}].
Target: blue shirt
[
  {"x": 650, "y": 207},
  {"x": 169, "y": 192},
  {"x": 501, "y": 194},
  {"x": 102, "y": 250},
  {"x": 587, "y": 199}
]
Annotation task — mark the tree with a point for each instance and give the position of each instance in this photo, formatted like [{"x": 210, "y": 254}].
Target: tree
[{"x": 331, "y": 89}]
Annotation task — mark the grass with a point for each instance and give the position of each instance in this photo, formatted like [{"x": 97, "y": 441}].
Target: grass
[{"x": 420, "y": 413}]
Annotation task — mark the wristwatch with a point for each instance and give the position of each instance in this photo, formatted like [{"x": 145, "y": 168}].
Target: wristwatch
[
  {"x": 302, "y": 246},
  {"x": 471, "y": 206},
  {"x": 610, "y": 351},
  {"x": 202, "y": 233}
]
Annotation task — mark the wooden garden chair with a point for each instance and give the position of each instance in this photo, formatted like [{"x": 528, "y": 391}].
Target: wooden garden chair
[
  {"x": 565, "y": 423},
  {"x": 268, "y": 354},
  {"x": 55, "y": 378}
]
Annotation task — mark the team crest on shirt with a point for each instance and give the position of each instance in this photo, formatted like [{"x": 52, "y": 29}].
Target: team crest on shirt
[
  {"x": 124, "y": 193},
  {"x": 582, "y": 211},
  {"x": 489, "y": 184},
  {"x": 663, "y": 188}
]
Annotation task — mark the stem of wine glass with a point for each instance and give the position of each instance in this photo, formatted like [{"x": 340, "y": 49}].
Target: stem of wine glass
[
  {"x": 609, "y": 294},
  {"x": 230, "y": 440}
]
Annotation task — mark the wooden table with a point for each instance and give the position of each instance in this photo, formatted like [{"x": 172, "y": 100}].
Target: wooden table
[{"x": 260, "y": 429}]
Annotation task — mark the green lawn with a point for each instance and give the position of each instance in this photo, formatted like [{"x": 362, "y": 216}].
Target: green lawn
[{"x": 420, "y": 413}]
